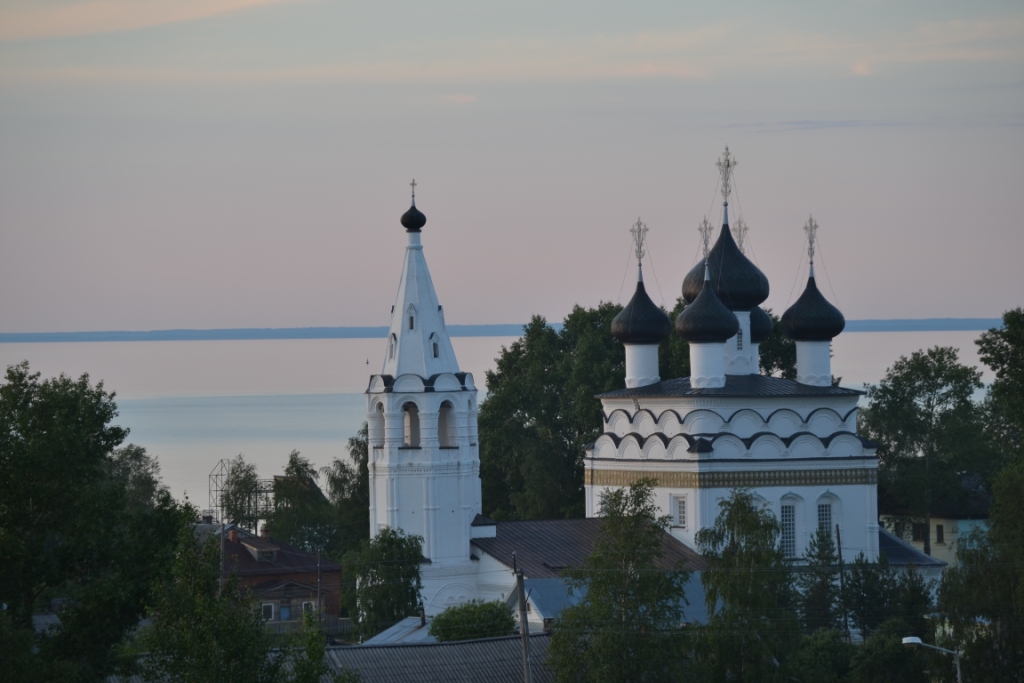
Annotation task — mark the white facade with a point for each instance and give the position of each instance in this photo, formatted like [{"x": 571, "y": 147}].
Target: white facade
[
  {"x": 424, "y": 457},
  {"x": 799, "y": 452}
]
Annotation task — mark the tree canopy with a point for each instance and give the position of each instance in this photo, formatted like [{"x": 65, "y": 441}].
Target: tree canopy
[
  {"x": 474, "y": 619},
  {"x": 627, "y": 626},
  {"x": 382, "y": 580}
]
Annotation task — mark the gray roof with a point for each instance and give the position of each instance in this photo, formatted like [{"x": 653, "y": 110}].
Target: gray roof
[
  {"x": 546, "y": 548},
  {"x": 736, "y": 386},
  {"x": 408, "y": 630},
  {"x": 899, "y": 553},
  {"x": 551, "y": 596},
  {"x": 488, "y": 660}
]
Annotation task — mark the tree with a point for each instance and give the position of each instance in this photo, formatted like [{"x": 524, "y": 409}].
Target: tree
[
  {"x": 778, "y": 352},
  {"x": 240, "y": 493},
  {"x": 474, "y": 619},
  {"x": 202, "y": 632},
  {"x": 819, "y": 600},
  {"x": 348, "y": 489},
  {"x": 383, "y": 580},
  {"x": 883, "y": 658},
  {"x": 982, "y": 598},
  {"x": 79, "y": 521},
  {"x": 301, "y": 514},
  {"x": 627, "y": 627},
  {"x": 1002, "y": 349},
  {"x": 541, "y": 411},
  {"x": 823, "y": 657},
  {"x": 870, "y": 593},
  {"x": 748, "y": 589},
  {"x": 928, "y": 429}
]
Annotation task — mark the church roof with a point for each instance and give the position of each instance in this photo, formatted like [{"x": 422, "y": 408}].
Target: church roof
[
  {"x": 812, "y": 317},
  {"x": 545, "y": 548},
  {"x": 736, "y": 280},
  {"x": 736, "y": 386},
  {"x": 641, "y": 321},
  {"x": 706, "y": 320},
  {"x": 899, "y": 553}
]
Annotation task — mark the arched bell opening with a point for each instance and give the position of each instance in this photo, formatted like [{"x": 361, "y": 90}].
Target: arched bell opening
[
  {"x": 446, "y": 425},
  {"x": 411, "y": 421}
]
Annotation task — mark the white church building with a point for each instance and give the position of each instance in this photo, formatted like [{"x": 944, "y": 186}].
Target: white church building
[{"x": 793, "y": 443}]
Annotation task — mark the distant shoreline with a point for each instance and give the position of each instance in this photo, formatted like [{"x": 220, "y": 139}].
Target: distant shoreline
[{"x": 238, "y": 334}]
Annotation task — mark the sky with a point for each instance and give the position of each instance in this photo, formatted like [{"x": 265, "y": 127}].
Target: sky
[{"x": 244, "y": 163}]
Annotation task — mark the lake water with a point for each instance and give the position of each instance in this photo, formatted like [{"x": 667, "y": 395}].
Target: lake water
[{"x": 192, "y": 403}]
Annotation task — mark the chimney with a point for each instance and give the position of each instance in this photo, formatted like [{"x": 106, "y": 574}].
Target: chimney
[
  {"x": 233, "y": 534},
  {"x": 263, "y": 532}
]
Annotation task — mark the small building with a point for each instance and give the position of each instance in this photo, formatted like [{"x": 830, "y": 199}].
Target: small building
[{"x": 287, "y": 581}]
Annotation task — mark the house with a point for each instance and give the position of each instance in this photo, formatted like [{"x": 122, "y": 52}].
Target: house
[{"x": 287, "y": 581}]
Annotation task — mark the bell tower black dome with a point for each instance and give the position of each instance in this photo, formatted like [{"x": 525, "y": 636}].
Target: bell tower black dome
[{"x": 641, "y": 321}]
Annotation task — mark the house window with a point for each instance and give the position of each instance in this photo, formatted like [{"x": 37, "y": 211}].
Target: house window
[
  {"x": 940, "y": 534},
  {"x": 788, "y": 540},
  {"x": 268, "y": 611},
  {"x": 825, "y": 517},
  {"x": 739, "y": 340},
  {"x": 308, "y": 607},
  {"x": 285, "y": 613},
  {"x": 266, "y": 556},
  {"x": 678, "y": 511},
  {"x": 918, "y": 531}
]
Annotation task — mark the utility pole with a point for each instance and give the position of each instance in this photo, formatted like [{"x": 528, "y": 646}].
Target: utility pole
[
  {"x": 524, "y": 626},
  {"x": 842, "y": 583}
]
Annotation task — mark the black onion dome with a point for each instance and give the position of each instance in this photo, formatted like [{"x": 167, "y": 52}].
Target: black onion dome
[
  {"x": 737, "y": 281},
  {"x": 707, "y": 320},
  {"x": 760, "y": 325},
  {"x": 812, "y": 317},
  {"x": 413, "y": 219},
  {"x": 641, "y": 321}
]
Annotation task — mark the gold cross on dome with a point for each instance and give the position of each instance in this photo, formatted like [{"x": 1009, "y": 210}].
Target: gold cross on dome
[
  {"x": 725, "y": 166},
  {"x": 739, "y": 232},
  {"x": 705, "y": 230},
  {"x": 413, "y": 186},
  {"x": 639, "y": 232},
  {"x": 812, "y": 235}
]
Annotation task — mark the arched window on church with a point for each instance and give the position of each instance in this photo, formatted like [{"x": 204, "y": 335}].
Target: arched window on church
[
  {"x": 446, "y": 425},
  {"x": 412, "y": 323},
  {"x": 436, "y": 350},
  {"x": 434, "y": 345},
  {"x": 411, "y": 416},
  {"x": 391, "y": 347},
  {"x": 375, "y": 428}
]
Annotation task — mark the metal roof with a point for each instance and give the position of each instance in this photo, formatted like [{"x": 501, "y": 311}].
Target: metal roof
[
  {"x": 488, "y": 660},
  {"x": 545, "y": 548},
  {"x": 899, "y": 553},
  {"x": 408, "y": 630}
]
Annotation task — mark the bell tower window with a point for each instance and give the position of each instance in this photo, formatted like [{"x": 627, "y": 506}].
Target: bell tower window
[
  {"x": 446, "y": 425},
  {"x": 739, "y": 340},
  {"x": 412, "y": 323},
  {"x": 411, "y": 415}
]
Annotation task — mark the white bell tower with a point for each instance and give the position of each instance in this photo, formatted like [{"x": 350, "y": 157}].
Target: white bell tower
[{"x": 422, "y": 417}]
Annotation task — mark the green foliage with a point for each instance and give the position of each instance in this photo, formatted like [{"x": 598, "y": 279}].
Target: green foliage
[
  {"x": 876, "y": 593},
  {"x": 1002, "y": 349},
  {"x": 79, "y": 521},
  {"x": 928, "y": 429},
  {"x": 383, "y": 579},
  {"x": 302, "y": 514},
  {"x": 778, "y": 352},
  {"x": 627, "y": 628},
  {"x": 348, "y": 489},
  {"x": 474, "y": 619},
  {"x": 819, "y": 600},
  {"x": 305, "y": 661},
  {"x": 239, "y": 495},
  {"x": 883, "y": 658},
  {"x": 202, "y": 632},
  {"x": 540, "y": 412},
  {"x": 749, "y": 592},
  {"x": 823, "y": 657},
  {"x": 982, "y": 599}
]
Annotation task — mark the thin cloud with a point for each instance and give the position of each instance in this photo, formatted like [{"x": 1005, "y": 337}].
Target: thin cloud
[{"x": 28, "y": 19}]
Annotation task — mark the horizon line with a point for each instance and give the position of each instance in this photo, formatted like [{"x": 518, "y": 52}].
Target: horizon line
[{"x": 486, "y": 330}]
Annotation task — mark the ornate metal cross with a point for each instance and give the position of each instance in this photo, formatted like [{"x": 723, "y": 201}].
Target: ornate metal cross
[
  {"x": 725, "y": 166},
  {"x": 639, "y": 232},
  {"x": 705, "y": 230},
  {"x": 812, "y": 234}
]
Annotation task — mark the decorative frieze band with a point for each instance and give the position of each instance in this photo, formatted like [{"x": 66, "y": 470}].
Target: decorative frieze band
[{"x": 714, "y": 480}]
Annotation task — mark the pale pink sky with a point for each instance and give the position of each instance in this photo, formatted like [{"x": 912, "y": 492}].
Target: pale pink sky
[{"x": 243, "y": 163}]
